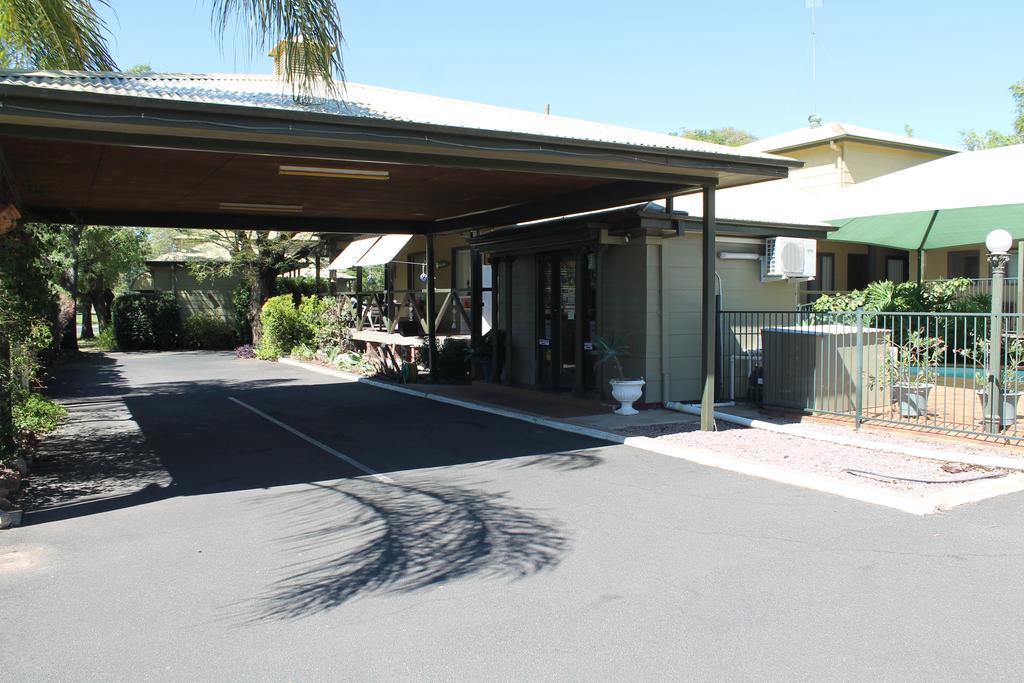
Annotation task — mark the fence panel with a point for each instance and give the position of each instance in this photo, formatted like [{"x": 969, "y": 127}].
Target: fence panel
[{"x": 931, "y": 371}]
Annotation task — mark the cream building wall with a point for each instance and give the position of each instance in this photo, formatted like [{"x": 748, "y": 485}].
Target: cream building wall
[
  {"x": 671, "y": 324},
  {"x": 830, "y": 166},
  {"x": 211, "y": 296}
]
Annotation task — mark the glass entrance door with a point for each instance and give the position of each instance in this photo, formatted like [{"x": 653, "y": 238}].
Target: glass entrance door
[{"x": 557, "y": 325}]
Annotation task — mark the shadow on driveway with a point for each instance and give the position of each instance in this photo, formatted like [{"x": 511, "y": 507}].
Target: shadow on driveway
[{"x": 131, "y": 445}]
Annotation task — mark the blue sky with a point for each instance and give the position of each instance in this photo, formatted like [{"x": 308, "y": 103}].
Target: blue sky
[{"x": 939, "y": 65}]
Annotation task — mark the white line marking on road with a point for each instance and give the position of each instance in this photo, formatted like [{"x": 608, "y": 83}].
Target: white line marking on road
[{"x": 319, "y": 444}]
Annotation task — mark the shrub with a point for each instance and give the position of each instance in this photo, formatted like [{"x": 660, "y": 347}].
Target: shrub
[
  {"x": 453, "y": 361},
  {"x": 303, "y": 352},
  {"x": 283, "y": 328},
  {"x": 144, "y": 320},
  {"x": 36, "y": 414},
  {"x": 105, "y": 340},
  {"x": 939, "y": 296},
  {"x": 204, "y": 331},
  {"x": 335, "y": 324},
  {"x": 313, "y": 314}
]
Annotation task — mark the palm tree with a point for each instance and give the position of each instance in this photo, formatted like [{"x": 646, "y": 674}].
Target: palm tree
[{"x": 70, "y": 34}]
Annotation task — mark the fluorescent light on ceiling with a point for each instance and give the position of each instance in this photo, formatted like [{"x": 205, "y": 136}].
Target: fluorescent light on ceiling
[
  {"x": 325, "y": 172},
  {"x": 260, "y": 208}
]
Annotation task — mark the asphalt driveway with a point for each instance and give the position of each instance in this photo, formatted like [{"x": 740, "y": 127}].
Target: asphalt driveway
[{"x": 208, "y": 518}]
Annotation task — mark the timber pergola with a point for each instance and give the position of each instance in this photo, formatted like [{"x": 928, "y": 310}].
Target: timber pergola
[{"x": 109, "y": 149}]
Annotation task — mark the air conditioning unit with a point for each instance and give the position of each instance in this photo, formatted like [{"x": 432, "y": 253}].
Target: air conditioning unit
[{"x": 792, "y": 258}]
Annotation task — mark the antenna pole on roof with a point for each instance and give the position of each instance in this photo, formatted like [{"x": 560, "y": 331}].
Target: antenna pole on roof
[{"x": 813, "y": 5}]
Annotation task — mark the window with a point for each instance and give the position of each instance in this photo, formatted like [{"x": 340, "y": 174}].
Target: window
[
  {"x": 897, "y": 269},
  {"x": 963, "y": 264},
  {"x": 825, "y": 280}
]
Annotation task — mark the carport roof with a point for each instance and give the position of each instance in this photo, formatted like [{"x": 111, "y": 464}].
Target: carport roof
[
  {"x": 199, "y": 150},
  {"x": 360, "y": 102}
]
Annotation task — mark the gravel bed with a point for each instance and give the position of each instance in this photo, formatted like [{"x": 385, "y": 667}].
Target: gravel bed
[
  {"x": 900, "y": 437},
  {"x": 816, "y": 457}
]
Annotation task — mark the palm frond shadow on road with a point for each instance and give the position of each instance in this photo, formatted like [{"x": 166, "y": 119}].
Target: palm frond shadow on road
[{"x": 401, "y": 538}]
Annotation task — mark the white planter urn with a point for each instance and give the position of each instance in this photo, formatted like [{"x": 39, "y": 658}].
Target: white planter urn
[{"x": 626, "y": 391}]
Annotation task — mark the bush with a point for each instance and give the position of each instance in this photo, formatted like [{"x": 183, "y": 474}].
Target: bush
[
  {"x": 203, "y": 331},
  {"x": 36, "y": 414},
  {"x": 334, "y": 328},
  {"x": 313, "y": 315},
  {"x": 938, "y": 296},
  {"x": 283, "y": 328},
  {"x": 105, "y": 340},
  {"x": 303, "y": 352},
  {"x": 453, "y": 361},
  {"x": 146, "y": 321}
]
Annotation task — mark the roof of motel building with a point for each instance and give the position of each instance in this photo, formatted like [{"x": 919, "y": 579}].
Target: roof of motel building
[{"x": 835, "y": 131}]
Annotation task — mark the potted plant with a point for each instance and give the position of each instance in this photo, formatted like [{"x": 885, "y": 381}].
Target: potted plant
[
  {"x": 624, "y": 390},
  {"x": 910, "y": 372},
  {"x": 1010, "y": 384}
]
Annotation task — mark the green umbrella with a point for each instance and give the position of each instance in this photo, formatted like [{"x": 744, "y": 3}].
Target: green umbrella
[{"x": 950, "y": 202}]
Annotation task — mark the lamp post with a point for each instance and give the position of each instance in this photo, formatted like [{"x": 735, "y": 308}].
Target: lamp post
[{"x": 998, "y": 243}]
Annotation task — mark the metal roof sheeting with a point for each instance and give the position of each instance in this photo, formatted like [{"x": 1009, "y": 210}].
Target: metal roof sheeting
[
  {"x": 359, "y": 102},
  {"x": 835, "y": 130},
  {"x": 777, "y": 201}
]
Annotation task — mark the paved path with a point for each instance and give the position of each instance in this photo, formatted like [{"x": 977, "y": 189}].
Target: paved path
[{"x": 191, "y": 538}]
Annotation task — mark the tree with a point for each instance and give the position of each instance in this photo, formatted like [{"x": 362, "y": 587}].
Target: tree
[
  {"x": 733, "y": 137},
  {"x": 973, "y": 140},
  {"x": 108, "y": 258},
  {"x": 70, "y": 34},
  {"x": 259, "y": 257},
  {"x": 93, "y": 260}
]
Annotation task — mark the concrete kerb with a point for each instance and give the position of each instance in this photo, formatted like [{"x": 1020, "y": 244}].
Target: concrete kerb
[{"x": 916, "y": 505}]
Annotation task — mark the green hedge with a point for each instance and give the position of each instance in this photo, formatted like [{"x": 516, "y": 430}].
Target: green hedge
[
  {"x": 298, "y": 287},
  {"x": 146, "y": 321},
  {"x": 204, "y": 331}
]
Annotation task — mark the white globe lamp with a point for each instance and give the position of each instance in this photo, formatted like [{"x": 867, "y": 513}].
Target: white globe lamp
[{"x": 999, "y": 242}]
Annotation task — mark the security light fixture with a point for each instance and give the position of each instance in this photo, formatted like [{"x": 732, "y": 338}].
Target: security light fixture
[
  {"x": 325, "y": 172},
  {"x": 260, "y": 208}
]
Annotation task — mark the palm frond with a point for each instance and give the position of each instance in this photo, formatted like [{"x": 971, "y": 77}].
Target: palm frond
[
  {"x": 54, "y": 34},
  {"x": 311, "y": 30}
]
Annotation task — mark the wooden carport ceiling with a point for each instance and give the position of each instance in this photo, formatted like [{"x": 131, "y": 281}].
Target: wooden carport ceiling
[{"x": 99, "y": 183}]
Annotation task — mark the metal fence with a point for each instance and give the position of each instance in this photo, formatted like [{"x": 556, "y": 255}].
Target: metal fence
[
  {"x": 981, "y": 288},
  {"x": 931, "y": 371}
]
